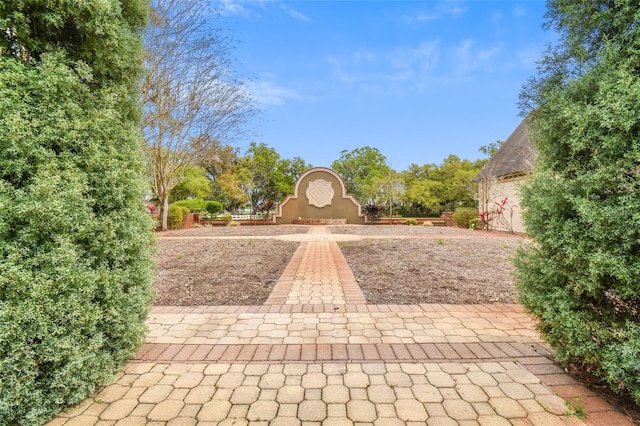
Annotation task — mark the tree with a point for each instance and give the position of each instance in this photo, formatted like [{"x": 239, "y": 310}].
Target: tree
[
  {"x": 358, "y": 168},
  {"x": 386, "y": 190},
  {"x": 195, "y": 184},
  {"x": 192, "y": 105},
  {"x": 75, "y": 240},
  {"x": 582, "y": 205},
  {"x": 457, "y": 188},
  {"x": 265, "y": 177},
  {"x": 434, "y": 188},
  {"x": 233, "y": 191},
  {"x": 491, "y": 148}
]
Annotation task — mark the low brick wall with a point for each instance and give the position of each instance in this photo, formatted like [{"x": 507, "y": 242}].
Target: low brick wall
[
  {"x": 320, "y": 221},
  {"x": 448, "y": 219},
  {"x": 436, "y": 221}
]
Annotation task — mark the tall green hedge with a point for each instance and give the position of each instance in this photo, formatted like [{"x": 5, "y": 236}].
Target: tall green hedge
[
  {"x": 581, "y": 277},
  {"x": 75, "y": 241}
]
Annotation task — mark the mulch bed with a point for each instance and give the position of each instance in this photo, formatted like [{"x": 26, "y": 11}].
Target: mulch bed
[{"x": 428, "y": 265}]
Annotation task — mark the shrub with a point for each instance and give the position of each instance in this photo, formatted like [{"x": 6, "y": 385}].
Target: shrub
[
  {"x": 176, "y": 216},
  {"x": 463, "y": 216},
  {"x": 473, "y": 223},
  {"x": 75, "y": 239},
  {"x": 410, "y": 221},
  {"x": 233, "y": 223},
  {"x": 582, "y": 206},
  {"x": 194, "y": 205},
  {"x": 213, "y": 207},
  {"x": 427, "y": 223},
  {"x": 373, "y": 211},
  {"x": 227, "y": 217}
]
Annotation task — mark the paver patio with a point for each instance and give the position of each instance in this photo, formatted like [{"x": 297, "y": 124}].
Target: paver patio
[{"x": 316, "y": 354}]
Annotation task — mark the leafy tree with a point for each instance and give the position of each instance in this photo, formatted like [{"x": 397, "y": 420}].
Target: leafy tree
[
  {"x": 582, "y": 206},
  {"x": 232, "y": 188},
  {"x": 491, "y": 148},
  {"x": 75, "y": 263},
  {"x": 433, "y": 188},
  {"x": 292, "y": 169},
  {"x": 422, "y": 196},
  {"x": 358, "y": 168},
  {"x": 192, "y": 105},
  {"x": 265, "y": 177},
  {"x": 386, "y": 190},
  {"x": 195, "y": 184},
  {"x": 457, "y": 188}
]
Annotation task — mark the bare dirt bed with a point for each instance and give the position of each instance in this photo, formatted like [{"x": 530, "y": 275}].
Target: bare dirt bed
[
  {"x": 421, "y": 265},
  {"x": 194, "y": 272},
  {"x": 413, "y": 271}
]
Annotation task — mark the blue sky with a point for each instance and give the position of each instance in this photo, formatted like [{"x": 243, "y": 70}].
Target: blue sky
[{"x": 418, "y": 80}]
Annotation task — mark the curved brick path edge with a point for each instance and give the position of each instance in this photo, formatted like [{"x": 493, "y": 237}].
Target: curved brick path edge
[{"x": 316, "y": 354}]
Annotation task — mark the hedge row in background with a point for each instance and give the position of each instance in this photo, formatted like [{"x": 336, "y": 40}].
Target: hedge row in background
[{"x": 75, "y": 241}]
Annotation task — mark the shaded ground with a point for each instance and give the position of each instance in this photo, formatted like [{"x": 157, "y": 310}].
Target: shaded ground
[{"x": 427, "y": 265}]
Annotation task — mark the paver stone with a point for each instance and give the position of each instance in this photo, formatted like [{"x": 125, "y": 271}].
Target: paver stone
[
  {"x": 263, "y": 410},
  {"x": 245, "y": 395},
  {"x": 214, "y": 411},
  {"x": 290, "y": 395},
  {"x": 410, "y": 410},
  {"x": 155, "y": 394},
  {"x": 312, "y": 411},
  {"x": 493, "y": 421},
  {"x": 335, "y": 394},
  {"x": 361, "y": 411},
  {"x": 507, "y": 407},
  {"x": 381, "y": 394},
  {"x": 119, "y": 409},
  {"x": 426, "y": 393},
  {"x": 458, "y": 409},
  {"x": 166, "y": 410}
]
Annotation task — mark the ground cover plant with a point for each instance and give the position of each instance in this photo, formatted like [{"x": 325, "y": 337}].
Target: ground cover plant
[{"x": 75, "y": 241}]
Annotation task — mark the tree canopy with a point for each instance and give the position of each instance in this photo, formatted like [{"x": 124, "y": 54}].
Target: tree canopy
[{"x": 358, "y": 168}]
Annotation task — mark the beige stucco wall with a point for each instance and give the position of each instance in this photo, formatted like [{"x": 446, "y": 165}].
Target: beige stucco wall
[
  {"x": 298, "y": 206},
  {"x": 492, "y": 192}
]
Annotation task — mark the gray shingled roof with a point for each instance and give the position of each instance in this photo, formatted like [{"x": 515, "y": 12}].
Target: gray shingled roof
[{"x": 516, "y": 155}]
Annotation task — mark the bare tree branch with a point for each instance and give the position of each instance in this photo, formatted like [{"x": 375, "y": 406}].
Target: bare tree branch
[{"x": 192, "y": 103}]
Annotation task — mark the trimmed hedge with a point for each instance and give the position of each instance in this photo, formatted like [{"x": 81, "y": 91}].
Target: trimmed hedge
[
  {"x": 195, "y": 205},
  {"x": 75, "y": 240},
  {"x": 463, "y": 216},
  {"x": 176, "y": 216}
]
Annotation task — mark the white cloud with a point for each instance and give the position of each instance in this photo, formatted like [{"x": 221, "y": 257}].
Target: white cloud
[
  {"x": 253, "y": 7},
  {"x": 392, "y": 70},
  {"x": 270, "y": 93},
  {"x": 441, "y": 10},
  {"x": 233, "y": 7},
  {"x": 470, "y": 59},
  {"x": 298, "y": 16},
  {"x": 519, "y": 11}
]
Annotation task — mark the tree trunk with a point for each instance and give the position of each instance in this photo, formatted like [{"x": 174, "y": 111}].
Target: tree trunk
[{"x": 165, "y": 210}]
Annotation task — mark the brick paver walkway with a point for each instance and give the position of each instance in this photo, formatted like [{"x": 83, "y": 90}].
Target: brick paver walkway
[{"x": 316, "y": 354}]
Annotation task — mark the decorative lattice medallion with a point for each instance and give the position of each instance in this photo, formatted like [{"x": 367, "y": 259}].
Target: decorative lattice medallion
[{"x": 320, "y": 193}]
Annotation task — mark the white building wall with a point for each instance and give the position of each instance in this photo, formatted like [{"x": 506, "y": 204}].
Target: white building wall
[{"x": 504, "y": 195}]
